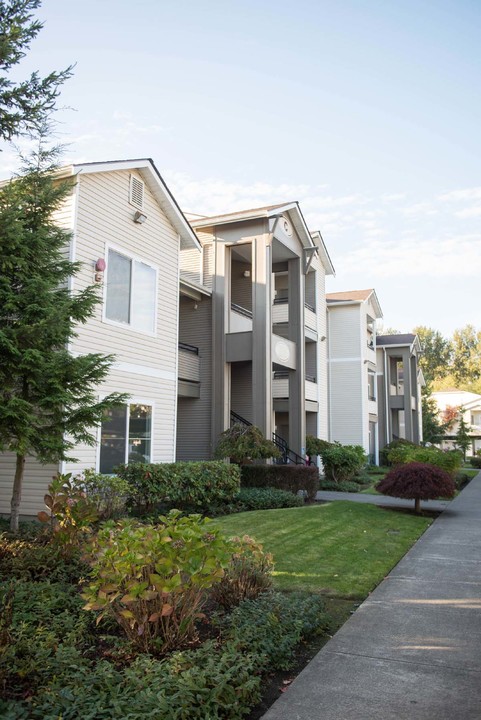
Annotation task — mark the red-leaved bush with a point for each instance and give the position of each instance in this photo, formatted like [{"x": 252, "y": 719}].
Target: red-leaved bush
[{"x": 417, "y": 481}]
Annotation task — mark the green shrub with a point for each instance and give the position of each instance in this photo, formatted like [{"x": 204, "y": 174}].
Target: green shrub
[
  {"x": 346, "y": 486},
  {"x": 450, "y": 461},
  {"x": 210, "y": 683},
  {"x": 475, "y": 462},
  {"x": 153, "y": 579},
  {"x": 315, "y": 446},
  {"x": 417, "y": 481},
  {"x": 183, "y": 485},
  {"x": 400, "y": 442},
  {"x": 273, "y": 625},
  {"x": 242, "y": 443},
  {"x": 247, "y": 575},
  {"x": 266, "y": 498},
  {"x": 293, "y": 478},
  {"x": 342, "y": 463},
  {"x": 108, "y": 493}
]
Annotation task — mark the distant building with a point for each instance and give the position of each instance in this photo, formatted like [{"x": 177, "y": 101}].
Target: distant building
[{"x": 470, "y": 403}]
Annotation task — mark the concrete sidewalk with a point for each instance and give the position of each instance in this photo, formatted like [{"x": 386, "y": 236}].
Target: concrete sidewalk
[
  {"x": 330, "y": 495},
  {"x": 412, "y": 651}
]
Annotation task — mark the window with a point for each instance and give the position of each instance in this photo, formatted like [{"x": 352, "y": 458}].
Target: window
[
  {"x": 125, "y": 436},
  {"x": 371, "y": 380},
  {"x": 130, "y": 292}
]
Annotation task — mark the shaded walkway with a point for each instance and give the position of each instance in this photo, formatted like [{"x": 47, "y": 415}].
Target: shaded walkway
[{"x": 412, "y": 651}]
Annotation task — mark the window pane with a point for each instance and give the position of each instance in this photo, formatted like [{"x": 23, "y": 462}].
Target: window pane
[
  {"x": 112, "y": 439},
  {"x": 140, "y": 433},
  {"x": 143, "y": 310},
  {"x": 118, "y": 287}
]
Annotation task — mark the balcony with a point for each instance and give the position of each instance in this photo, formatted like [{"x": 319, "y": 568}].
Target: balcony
[
  {"x": 188, "y": 371},
  {"x": 280, "y": 314},
  {"x": 280, "y": 386}
]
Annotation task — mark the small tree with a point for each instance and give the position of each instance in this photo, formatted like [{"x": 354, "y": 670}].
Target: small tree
[
  {"x": 48, "y": 401},
  {"x": 417, "y": 481},
  {"x": 24, "y": 105},
  {"x": 242, "y": 443},
  {"x": 463, "y": 440},
  {"x": 433, "y": 427}
]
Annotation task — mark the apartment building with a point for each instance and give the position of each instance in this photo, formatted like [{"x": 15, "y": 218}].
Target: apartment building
[
  {"x": 353, "y": 412},
  {"x": 399, "y": 384},
  {"x": 128, "y": 233},
  {"x": 257, "y": 327}
]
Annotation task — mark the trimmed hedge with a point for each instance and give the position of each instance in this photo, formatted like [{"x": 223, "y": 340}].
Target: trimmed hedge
[
  {"x": 293, "y": 478},
  {"x": 266, "y": 498},
  {"x": 475, "y": 462},
  {"x": 182, "y": 485},
  {"x": 451, "y": 461}
]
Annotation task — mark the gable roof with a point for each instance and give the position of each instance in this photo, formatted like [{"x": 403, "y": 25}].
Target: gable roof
[
  {"x": 155, "y": 183},
  {"x": 268, "y": 211},
  {"x": 398, "y": 340},
  {"x": 355, "y": 297},
  {"x": 323, "y": 253}
]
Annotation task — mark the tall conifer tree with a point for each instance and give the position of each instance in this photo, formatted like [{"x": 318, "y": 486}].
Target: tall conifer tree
[{"x": 48, "y": 398}]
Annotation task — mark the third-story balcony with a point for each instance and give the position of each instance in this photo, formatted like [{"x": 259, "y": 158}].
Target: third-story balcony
[{"x": 280, "y": 314}]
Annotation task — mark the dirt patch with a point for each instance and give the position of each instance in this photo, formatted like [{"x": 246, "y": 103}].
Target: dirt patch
[{"x": 277, "y": 683}]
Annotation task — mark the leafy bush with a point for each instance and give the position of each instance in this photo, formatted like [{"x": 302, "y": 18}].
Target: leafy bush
[
  {"x": 450, "y": 461},
  {"x": 346, "y": 486},
  {"x": 71, "y": 513},
  {"x": 267, "y": 498},
  {"x": 242, "y": 443},
  {"x": 475, "y": 462},
  {"x": 31, "y": 560},
  {"x": 315, "y": 446},
  {"x": 384, "y": 452},
  {"x": 293, "y": 478},
  {"x": 183, "y": 485},
  {"x": 247, "y": 575},
  {"x": 417, "y": 481},
  {"x": 108, "y": 493},
  {"x": 210, "y": 683},
  {"x": 273, "y": 625},
  {"x": 342, "y": 463},
  {"x": 153, "y": 579}
]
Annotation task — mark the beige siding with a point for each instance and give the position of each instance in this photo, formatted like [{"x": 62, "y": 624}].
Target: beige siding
[
  {"x": 154, "y": 391},
  {"x": 344, "y": 331},
  {"x": 208, "y": 259},
  {"x": 346, "y": 406},
  {"x": 105, "y": 216},
  {"x": 194, "y": 414},
  {"x": 36, "y": 480},
  {"x": 191, "y": 264}
]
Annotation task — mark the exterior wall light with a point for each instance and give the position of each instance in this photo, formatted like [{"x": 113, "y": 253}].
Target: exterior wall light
[
  {"x": 247, "y": 273},
  {"x": 100, "y": 266},
  {"x": 139, "y": 217}
]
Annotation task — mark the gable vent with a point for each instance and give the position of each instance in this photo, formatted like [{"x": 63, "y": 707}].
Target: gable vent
[{"x": 136, "y": 192}]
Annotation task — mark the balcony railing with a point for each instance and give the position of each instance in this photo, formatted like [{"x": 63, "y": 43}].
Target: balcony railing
[{"x": 189, "y": 363}]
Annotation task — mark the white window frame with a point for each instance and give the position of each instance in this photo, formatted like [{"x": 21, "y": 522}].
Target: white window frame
[
  {"x": 133, "y": 258},
  {"x": 131, "y": 401}
]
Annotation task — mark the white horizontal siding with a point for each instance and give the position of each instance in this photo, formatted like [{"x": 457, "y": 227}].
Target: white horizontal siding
[
  {"x": 161, "y": 394},
  {"x": 36, "y": 480},
  {"x": 346, "y": 403},
  {"x": 344, "y": 331},
  {"x": 104, "y": 215},
  {"x": 191, "y": 264}
]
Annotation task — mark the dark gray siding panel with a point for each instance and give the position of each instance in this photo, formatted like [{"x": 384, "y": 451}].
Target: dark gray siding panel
[{"x": 194, "y": 414}]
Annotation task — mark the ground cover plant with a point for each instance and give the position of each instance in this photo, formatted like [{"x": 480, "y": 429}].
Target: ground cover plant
[
  {"x": 61, "y": 659},
  {"x": 342, "y": 549}
]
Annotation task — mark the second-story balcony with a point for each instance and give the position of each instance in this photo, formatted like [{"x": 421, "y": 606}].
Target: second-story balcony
[{"x": 280, "y": 386}]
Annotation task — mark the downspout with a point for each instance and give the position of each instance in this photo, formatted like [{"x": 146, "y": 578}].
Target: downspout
[
  {"x": 386, "y": 403},
  {"x": 329, "y": 393}
]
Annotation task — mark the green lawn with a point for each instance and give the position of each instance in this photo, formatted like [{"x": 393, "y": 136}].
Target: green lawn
[{"x": 341, "y": 549}]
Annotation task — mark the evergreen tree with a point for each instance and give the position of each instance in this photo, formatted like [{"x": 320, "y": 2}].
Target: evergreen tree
[
  {"x": 433, "y": 427},
  {"x": 48, "y": 399},
  {"x": 26, "y": 104},
  {"x": 463, "y": 440}
]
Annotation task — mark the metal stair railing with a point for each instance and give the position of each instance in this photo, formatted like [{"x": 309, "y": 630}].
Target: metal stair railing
[{"x": 288, "y": 456}]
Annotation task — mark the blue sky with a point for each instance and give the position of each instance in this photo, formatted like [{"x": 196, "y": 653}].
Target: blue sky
[{"x": 367, "y": 113}]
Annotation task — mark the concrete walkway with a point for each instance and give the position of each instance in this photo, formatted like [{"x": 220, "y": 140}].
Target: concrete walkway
[
  {"x": 329, "y": 496},
  {"x": 412, "y": 651}
]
